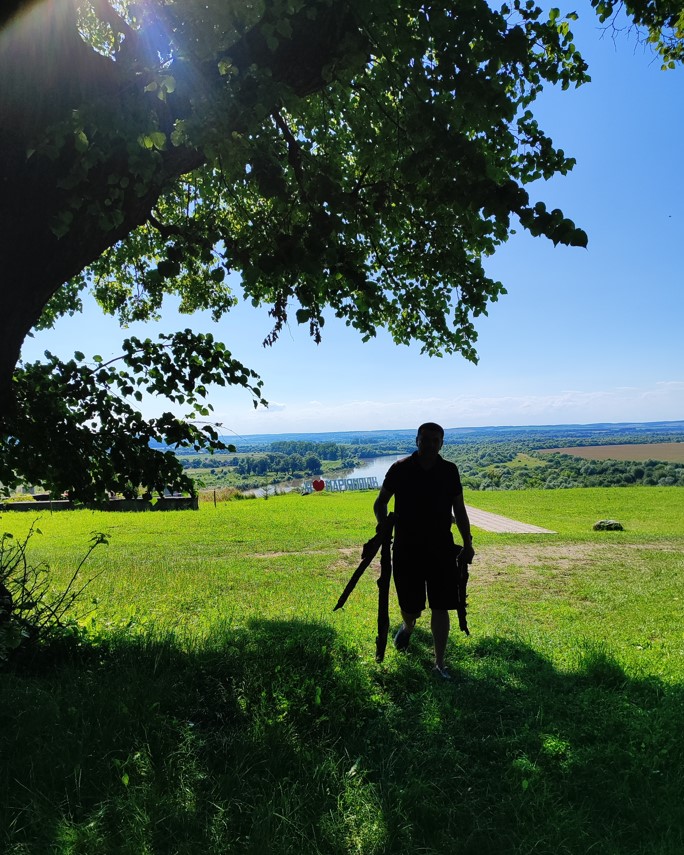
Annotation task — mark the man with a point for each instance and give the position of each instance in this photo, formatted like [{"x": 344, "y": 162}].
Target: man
[{"x": 428, "y": 496}]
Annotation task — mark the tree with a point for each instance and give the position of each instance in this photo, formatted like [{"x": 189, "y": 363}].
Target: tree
[
  {"x": 313, "y": 465},
  {"x": 295, "y": 463},
  {"x": 355, "y": 158}
]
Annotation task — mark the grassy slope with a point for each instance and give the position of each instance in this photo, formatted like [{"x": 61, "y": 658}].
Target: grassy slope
[{"x": 262, "y": 724}]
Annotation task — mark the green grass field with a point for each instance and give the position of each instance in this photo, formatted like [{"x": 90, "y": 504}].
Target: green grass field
[{"x": 218, "y": 705}]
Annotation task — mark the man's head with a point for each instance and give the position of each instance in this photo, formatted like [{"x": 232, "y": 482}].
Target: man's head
[
  {"x": 431, "y": 426},
  {"x": 430, "y": 439}
]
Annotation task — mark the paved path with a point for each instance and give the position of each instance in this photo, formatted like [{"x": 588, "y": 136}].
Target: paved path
[{"x": 502, "y": 525}]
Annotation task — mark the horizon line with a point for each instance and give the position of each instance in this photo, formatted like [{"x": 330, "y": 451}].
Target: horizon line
[{"x": 411, "y": 431}]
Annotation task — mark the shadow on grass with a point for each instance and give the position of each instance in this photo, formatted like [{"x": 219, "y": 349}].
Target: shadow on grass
[{"x": 275, "y": 738}]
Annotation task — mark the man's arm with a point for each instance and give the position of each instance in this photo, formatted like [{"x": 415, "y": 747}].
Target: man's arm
[
  {"x": 463, "y": 525},
  {"x": 380, "y": 505}
]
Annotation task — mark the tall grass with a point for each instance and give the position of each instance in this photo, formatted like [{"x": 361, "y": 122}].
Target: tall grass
[{"x": 218, "y": 705}]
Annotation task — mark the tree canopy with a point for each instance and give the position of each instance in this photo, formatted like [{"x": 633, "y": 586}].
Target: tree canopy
[{"x": 356, "y": 159}]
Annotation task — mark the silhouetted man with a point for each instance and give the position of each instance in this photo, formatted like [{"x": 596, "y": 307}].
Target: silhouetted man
[{"x": 428, "y": 496}]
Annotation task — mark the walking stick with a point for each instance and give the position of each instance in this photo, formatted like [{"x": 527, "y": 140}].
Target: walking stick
[
  {"x": 368, "y": 553},
  {"x": 463, "y": 575},
  {"x": 382, "y": 538},
  {"x": 383, "y": 591}
]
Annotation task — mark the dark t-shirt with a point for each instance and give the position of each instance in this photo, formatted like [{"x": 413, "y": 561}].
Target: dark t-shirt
[{"x": 423, "y": 500}]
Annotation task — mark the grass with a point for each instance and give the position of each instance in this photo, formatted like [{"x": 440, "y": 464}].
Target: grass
[
  {"x": 220, "y": 706},
  {"x": 645, "y": 512},
  {"x": 525, "y": 460}
]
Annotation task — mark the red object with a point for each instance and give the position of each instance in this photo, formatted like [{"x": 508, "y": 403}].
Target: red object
[{"x": 318, "y": 485}]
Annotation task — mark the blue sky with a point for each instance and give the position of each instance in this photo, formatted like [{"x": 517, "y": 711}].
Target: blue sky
[{"x": 582, "y": 336}]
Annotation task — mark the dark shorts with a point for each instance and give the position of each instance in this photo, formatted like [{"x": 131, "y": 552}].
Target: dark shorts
[{"x": 420, "y": 570}]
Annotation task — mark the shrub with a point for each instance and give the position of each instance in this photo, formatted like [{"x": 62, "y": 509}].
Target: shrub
[{"x": 30, "y": 609}]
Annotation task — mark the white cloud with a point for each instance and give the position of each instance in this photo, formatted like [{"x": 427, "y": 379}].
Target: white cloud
[{"x": 662, "y": 401}]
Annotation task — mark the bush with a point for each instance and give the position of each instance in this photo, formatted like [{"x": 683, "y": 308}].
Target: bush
[{"x": 30, "y": 610}]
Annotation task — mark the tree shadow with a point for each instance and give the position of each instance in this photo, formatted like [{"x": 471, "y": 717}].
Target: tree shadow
[{"x": 276, "y": 737}]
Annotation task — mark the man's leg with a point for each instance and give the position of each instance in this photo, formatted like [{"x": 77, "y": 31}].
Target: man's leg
[
  {"x": 440, "y": 634},
  {"x": 401, "y": 639},
  {"x": 410, "y": 588},
  {"x": 409, "y": 620}
]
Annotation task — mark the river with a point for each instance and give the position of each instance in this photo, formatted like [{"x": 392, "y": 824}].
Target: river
[{"x": 372, "y": 467}]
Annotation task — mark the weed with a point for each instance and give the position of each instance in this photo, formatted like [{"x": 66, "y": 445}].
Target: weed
[{"x": 30, "y": 607}]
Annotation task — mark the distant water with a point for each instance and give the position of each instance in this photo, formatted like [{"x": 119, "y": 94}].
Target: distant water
[{"x": 374, "y": 467}]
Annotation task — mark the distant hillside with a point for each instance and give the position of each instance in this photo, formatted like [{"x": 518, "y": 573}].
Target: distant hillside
[
  {"x": 356, "y": 437},
  {"x": 596, "y": 433}
]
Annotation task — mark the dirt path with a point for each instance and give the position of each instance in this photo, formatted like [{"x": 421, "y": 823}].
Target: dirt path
[{"x": 502, "y": 525}]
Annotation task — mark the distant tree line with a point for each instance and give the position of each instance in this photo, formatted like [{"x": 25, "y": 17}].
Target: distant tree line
[
  {"x": 294, "y": 464},
  {"x": 354, "y": 451},
  {"x": 496, "y": 468},
  {"x": 324, "y": 450},
  {"x": 262, "y": 464}
]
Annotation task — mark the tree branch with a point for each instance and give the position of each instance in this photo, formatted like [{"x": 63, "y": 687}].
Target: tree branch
[{"x": 294, "y": 153}]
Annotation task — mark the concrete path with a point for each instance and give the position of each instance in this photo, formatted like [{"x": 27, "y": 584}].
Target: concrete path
[{"x": 502, "y": 525}]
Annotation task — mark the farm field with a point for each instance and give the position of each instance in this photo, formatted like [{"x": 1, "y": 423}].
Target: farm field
[
  {"x": 672, "y": 452},
  {"x": 217, "y": 704}
]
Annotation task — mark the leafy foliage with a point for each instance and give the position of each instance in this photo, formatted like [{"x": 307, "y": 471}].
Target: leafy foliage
[
  {"x": 97, "y": 441},
  {"x": 662, "y": 22},
  {"x": 376, "y": 198}
]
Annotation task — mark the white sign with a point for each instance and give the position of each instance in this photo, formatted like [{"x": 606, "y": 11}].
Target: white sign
[{"x": 342, "y": 485}]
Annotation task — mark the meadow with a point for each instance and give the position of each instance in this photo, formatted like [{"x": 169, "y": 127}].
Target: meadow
[{"x": 213, "y": 702}]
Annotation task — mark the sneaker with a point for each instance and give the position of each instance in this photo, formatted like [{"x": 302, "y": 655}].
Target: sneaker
[
  {"x": 402, "y": 638},
  {"x": 442, "y": 672}
]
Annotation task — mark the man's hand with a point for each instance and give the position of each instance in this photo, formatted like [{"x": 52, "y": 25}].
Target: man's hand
[
  {"x": 468, "y": 553},
  {"x": 380, "y": 509}
]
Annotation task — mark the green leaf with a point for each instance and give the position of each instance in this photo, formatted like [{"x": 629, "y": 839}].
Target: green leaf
[
  {"x": 81, "y": 142},
  {"x": 61, "y": 223},
  {"x": 158, "y": 139}
]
